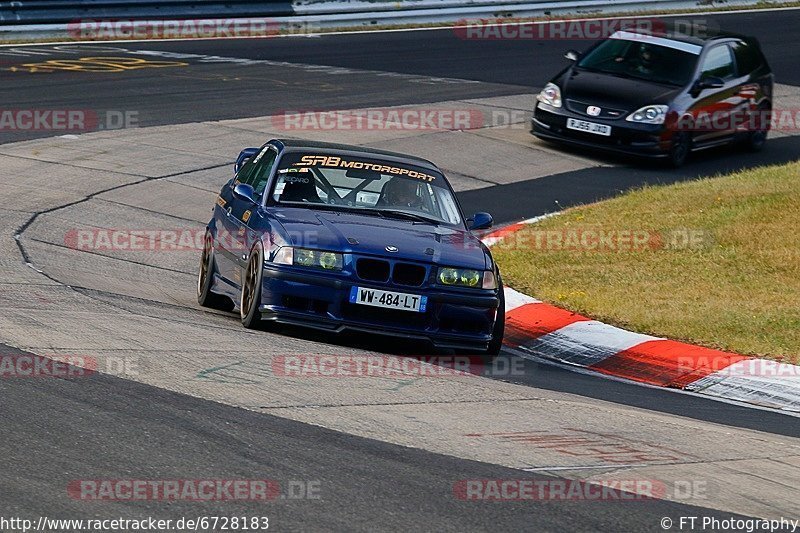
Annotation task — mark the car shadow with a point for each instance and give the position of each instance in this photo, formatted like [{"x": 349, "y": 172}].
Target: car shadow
[{"x": 368, "y": 342}]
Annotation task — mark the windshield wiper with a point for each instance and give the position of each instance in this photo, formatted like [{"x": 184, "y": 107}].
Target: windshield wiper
[
  {"x": 614, "y": 73},
  {"x": 631, "y": 76},
  {"x": 409, "y": 216}
]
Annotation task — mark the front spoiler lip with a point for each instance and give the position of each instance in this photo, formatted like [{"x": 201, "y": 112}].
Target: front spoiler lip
[{"x": 340, "y": 326}]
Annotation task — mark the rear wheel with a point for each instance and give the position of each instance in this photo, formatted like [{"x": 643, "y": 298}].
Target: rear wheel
[
  {"x": 251, "y": 289},
  {"x": 205, "y": 279}
]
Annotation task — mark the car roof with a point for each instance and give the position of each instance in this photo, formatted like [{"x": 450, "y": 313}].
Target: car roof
[
  {"x": 700, "y": 34},
  {"x": 298, "y": 145}
]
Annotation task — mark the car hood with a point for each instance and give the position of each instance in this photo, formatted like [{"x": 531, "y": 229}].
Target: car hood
[
  {"x": 370, "y": 235},
  {"x": 607, "y": 91}
]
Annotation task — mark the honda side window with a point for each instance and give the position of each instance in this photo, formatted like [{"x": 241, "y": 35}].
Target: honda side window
[
  {"x": 748, "y": 58},
  {"x": 718, "y": 63}
]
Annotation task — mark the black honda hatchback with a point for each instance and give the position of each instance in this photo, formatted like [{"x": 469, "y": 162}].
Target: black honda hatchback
[{"x": 660, "y": 95}]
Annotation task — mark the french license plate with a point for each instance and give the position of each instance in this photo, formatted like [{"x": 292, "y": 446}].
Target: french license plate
[
  {"x": 588, "y": 127},
  {"x": 389, "y": 299}
]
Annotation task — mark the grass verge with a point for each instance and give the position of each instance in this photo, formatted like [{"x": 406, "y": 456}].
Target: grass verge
[{"x": 714, "y": 262}]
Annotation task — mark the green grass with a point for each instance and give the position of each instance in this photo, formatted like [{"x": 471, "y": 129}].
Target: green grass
[{"x": 737, "y": 289}]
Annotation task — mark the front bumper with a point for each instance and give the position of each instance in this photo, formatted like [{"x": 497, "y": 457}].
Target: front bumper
[
  {"x": 644, "y": 140},
  {"x": 455, "y": 320}
]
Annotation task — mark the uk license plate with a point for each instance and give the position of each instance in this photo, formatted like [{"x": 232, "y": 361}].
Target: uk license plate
[
  {"x": 389, "y": 299},
  {"x": 588, "y": 127}
]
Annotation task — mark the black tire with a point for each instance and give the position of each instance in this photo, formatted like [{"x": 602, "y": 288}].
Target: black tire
[
  {"x": 205, "y": 278},
  {"x": 251, "y": 289},
  {"x": 756, "y": 139},
  {"x": 679, "y": 150},
  {"x": 496, "y": 344}
]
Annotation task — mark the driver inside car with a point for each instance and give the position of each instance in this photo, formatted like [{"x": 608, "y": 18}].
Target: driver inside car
[
  {"x": 642, "y": 60},
  {"x": 647, "y": 59},
  {"x": 400, "y": 192}
]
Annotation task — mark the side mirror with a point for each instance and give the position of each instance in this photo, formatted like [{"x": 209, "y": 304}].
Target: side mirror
[
  {"x": 245, "y": 191},
  {"x": 572, "y": 55},
  {"x": 244, "y": 155},
  {"x": 480, "y": 221},
  {"x": 709, "y": 82}
]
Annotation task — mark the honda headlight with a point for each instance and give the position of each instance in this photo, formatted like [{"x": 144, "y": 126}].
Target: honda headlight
[
  {"x": 550, "y": 95},
  {"x": 649, "y": 114}
]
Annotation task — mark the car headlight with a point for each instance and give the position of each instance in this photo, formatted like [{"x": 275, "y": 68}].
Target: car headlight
[
  {"x": 489, "y": 280},
  {"x": 330, "y": 260},
  {"x": 288, "y": 255},
  {"x": 466, "y": 277},
  {"x": 550, "y": 95},
  {"x": 649, "y": 114},
  {"x": 283, "y": 256},
  {"x": 304, "y": 258}
]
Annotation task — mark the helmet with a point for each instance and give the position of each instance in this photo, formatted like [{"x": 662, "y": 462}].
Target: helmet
[
  {"x": 646, "y": 55},
  {"x": 401, "y": 192}
]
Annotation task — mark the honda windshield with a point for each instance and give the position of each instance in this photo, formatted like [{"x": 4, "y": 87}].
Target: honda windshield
[{"x": 654, "y": 59}]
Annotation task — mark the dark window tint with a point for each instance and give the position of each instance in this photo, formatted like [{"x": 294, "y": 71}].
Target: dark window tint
[
  {"x": 748, "y": 57},
  {"x": 718, "y": 63}
]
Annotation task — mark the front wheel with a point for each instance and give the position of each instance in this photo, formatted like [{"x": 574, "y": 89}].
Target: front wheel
[
  {"x": 251, "y": 289},
  {"x": 679, "y": 151},
  {"x": 205, "y": 278},
  {"x": 499, "y": 329}
]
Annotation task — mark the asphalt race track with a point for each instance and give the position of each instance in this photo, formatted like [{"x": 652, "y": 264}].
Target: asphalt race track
[
  {"x": 224, "y": 90},
  {"x": 177, "y": 436},
  {"x": 201, "y": 399}
]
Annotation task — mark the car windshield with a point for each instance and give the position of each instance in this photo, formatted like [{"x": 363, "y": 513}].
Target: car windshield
[
  {"x": 355, "y": 183},
  {"x": 642, "y": 57}
]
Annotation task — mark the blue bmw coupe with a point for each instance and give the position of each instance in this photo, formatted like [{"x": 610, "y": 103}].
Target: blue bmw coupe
[{"x": 339, "y": 237}]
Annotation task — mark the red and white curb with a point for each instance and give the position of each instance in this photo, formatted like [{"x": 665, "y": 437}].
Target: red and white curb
[{"x": 549, "y": 332}]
